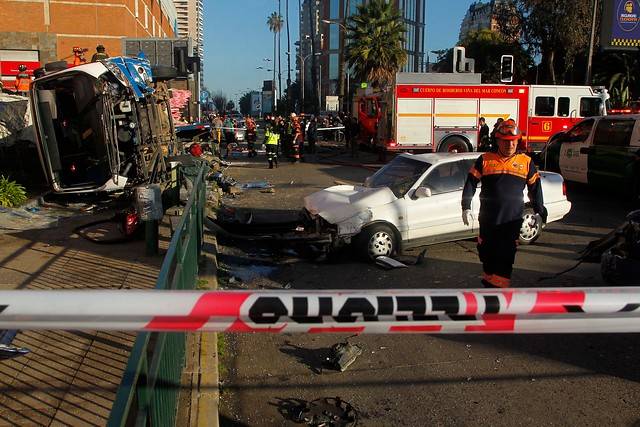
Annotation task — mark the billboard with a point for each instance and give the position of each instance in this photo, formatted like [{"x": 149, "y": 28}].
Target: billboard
[
  {"x": 256, "y": 103},
  {"x": 620, "y": 25}
]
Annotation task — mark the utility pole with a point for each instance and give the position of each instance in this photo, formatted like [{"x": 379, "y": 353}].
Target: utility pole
[
  {"x": 587, "y": 76},
  {"x": 288, "y": 50}
]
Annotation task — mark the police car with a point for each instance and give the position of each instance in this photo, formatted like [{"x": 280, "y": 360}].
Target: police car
[{"x": 600, "y": 151}]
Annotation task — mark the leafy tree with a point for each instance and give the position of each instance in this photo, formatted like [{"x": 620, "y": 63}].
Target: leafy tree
[
  {"x": 230, "y": 106},
  {"x": 219, "y": 100},
  {"x": 245, "y": 104},
  {"x": 557, "y": 30},
  {"x": 487, "y": 47},
  {"x": 375, "y": 37},
  {"x": 619, "y": 73}
]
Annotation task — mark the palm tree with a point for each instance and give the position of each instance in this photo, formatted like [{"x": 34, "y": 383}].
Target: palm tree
[
  {"x": 617, "y": 71},
  {"x": 275, "y": 25},
  {"x": 375, "y": 42}
]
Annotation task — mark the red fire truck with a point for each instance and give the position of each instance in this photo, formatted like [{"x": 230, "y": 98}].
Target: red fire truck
[
  {"x": 11, "y": 59},
  {"x": 440, "y": 111}
]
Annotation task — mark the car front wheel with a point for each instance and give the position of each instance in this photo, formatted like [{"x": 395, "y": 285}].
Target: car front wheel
[
  {"x": 376, "y": 240},
  {"x": 531, "y": 227}
]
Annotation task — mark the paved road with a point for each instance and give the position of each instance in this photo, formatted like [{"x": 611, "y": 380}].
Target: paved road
[{"x": 422, "y": 379}]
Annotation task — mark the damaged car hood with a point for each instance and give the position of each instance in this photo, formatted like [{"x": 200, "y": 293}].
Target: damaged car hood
[{"x": 340, "y": 202}]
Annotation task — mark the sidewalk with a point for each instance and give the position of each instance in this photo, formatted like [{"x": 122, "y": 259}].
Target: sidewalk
[{"x": 69, "y": 378}]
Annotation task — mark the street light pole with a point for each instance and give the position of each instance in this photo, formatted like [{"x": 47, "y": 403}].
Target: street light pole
[{"x": 302, "y": 60}]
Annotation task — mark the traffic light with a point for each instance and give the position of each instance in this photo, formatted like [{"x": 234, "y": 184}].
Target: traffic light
[{"x": 506, "y": 68}]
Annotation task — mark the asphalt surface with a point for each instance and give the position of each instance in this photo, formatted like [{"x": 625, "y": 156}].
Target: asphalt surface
[{"x": 410, "y": 380}]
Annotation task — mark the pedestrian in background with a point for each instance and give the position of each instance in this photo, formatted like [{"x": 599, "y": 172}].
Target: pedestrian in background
[
  {"x": 354, "y": 130},
  {"x": 312, "y": 134},
  {"x": 492, "y": 137},
  {"x": 101, "y": 53},
  {"x": 503, "y": 175},
  {"x": 483, "y": 135}
]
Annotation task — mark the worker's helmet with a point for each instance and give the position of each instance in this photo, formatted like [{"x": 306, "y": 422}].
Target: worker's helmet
[
  {"x": 22, "y": 68},
  {"x": 293, "y": 115},
  {"x": 100, "y": 48},
  {"x": 508, "y": 130}
]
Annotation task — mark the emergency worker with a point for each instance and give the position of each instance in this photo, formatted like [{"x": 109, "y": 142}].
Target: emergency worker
[
  {"x": 503, "y": 175},
  {"x": 22, "y": 80},
  {"x": 251, "y": 136},
  {"x": 78, "y": 55},
  {"x": 100, "y": 54},
  {"x": 297, "y": 140},
  {"x": 271, "y": 140}
]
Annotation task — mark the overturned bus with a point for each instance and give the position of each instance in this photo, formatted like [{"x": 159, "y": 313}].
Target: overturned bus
[{"x": 104, "y": 126}]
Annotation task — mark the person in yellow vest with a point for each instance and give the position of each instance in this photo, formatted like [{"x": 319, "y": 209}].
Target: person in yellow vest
[{"x": 271, "y": 141}]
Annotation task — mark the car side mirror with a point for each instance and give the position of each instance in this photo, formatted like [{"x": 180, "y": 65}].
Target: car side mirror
[{"x": 422, "y": 192}]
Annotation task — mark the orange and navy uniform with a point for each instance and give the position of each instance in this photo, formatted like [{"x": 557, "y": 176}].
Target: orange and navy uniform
[
  {"x": 501, "y": 208},
  {"x": 503, "y": 182}
]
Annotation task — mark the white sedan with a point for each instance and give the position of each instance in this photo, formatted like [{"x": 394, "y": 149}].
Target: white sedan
[{"x": 415, "y": 200}]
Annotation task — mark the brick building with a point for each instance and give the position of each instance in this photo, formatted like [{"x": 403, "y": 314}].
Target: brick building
[{"x": 54, "y": 27}]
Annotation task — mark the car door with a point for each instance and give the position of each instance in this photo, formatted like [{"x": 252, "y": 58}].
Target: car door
[
  {"x": 610, "y": 155},
  {"x": 573, "y": 151},
  {"x": 438, "y": 218}
]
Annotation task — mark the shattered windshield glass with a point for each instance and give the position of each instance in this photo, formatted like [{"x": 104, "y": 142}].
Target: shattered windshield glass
[{"x": 399, "y": 175}]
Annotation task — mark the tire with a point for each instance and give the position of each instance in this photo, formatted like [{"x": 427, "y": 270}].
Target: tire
[
  {"x": 56, "y": 66},
  {"x": 529, "y": 234},
  {"x": 619, "y": 270},
  {"x": 163, "y": 72},
  {"x": 376, "y": 240},
  {"x": 454, "y": 144}
]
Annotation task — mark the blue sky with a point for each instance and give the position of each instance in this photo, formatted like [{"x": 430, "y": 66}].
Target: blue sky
[{"x": 237, "y": 39}]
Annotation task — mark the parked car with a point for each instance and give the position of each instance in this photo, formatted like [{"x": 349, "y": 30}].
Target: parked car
[
  {"x": 104, "y": 126},
  {"x": 240, "y": 131},
  {"x": 415, "y": 200},
  {"x": 600, "y": 151}
]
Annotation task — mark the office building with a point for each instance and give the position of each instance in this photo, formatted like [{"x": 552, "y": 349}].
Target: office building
[
  {"x": 190, "y": 23},
  {"x": 326, "y": 37},
  {"x": 53, "y": 28}
]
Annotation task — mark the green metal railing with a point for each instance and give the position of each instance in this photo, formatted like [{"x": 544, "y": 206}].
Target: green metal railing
[{"x": 148, "y": 392}]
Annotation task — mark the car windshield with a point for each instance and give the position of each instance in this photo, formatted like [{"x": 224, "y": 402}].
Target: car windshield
[{"x": 399, "y": 175}]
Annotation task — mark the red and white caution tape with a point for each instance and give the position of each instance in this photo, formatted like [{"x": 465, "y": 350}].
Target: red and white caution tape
[{"x": 605, "y": 310}]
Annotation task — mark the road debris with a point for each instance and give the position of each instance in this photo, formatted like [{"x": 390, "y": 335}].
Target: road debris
[
  {"x": 268, "y": 191},
  {"x": 326, "y": 412},
  {"x": 256, "y": 184},
  {"x": 389, "y": 263},
  {"x": 343, "y": 355}
]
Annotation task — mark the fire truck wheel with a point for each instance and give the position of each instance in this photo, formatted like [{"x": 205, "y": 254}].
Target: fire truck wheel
[{"x": 455, "y": 144}]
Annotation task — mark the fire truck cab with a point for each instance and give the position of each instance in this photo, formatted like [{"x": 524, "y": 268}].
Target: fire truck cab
[{"x": 440, "y": 111}]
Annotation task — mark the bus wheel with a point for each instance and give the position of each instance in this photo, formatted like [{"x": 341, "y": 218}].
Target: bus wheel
[{"x": 455, "y": 144}]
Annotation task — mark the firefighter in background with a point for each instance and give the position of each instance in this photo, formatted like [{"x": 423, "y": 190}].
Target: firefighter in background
[
  {"x": 297, "y": 140},
  {"x": 78, "y": 55},
  {"x": 23, "y": 80},
  {"x": 100, "y": 54},
  {"x": 503, "y": 175},
  {"x": 271, "y": 140},
  {"x": 251, "y": 136}
]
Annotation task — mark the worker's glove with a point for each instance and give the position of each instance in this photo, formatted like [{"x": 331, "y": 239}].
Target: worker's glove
[{"x": 467, "y": 217}]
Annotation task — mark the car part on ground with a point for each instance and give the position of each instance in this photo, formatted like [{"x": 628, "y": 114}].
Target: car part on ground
[
  {"x": 327, "y": 412},
  {"x": 620, "y": 263}
]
